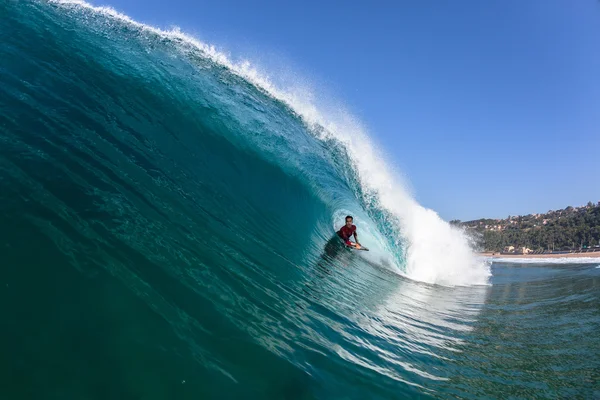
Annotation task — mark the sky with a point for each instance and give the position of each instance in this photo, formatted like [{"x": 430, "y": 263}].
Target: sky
[{"x": 488, "y": 108}]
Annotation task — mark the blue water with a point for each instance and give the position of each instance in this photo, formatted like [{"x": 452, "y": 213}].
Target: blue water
[{"x": 166, "y": 225}]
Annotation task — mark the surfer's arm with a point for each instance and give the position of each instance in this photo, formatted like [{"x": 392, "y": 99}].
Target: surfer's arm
[{"x": 356, "y": 238}]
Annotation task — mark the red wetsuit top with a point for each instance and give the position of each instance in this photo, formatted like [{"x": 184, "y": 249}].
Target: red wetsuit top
[{"x": 345, "y": 233}]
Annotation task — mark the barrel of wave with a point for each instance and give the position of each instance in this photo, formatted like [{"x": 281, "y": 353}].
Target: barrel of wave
[{"x": 379, "y": 252}]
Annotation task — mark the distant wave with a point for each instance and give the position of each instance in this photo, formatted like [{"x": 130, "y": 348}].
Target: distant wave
[{"x": 561, "y": 260}]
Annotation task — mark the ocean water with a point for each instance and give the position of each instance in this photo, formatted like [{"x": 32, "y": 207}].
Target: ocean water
[{"x": 166, "y": 227}]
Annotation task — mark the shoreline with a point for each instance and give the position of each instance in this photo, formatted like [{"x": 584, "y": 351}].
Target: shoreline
[{"x": 595, "y": 254}]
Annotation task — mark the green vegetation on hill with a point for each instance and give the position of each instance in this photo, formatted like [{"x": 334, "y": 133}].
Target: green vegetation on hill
[{"x": 568, "y": 229}]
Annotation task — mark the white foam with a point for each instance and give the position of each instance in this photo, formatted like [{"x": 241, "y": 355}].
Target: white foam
[
  {"x": 436, "y": 252},
  {"x": 541, "y": 260}
]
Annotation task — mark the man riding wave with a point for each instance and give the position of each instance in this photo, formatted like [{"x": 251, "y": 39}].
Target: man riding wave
[{"x": 347, "y": 231}]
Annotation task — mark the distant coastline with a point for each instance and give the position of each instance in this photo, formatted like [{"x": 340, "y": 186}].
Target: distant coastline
[
  {"x": 563, "y": 231},
  {"x": 590, "y": 254}
]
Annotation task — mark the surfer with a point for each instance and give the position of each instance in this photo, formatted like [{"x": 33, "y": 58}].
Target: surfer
[{"x": 348, "y": 230}]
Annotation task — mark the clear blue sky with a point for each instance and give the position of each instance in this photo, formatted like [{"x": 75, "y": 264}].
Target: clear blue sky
[{"x": 490, "y": 108}]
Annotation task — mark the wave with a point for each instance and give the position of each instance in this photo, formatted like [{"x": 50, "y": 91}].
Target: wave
[{"x": 422, "y": 245}]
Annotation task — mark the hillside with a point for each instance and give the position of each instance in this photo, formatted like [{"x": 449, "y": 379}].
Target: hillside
[{"x": 559, "y": 230}]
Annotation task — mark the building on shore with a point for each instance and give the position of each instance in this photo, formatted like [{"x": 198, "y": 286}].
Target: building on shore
[
  {"x": 523, "y": 250},
  {"x": 517, "y": 250}
]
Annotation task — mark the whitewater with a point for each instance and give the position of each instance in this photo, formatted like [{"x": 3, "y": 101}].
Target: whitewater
[{"x": 167, "y": 231}]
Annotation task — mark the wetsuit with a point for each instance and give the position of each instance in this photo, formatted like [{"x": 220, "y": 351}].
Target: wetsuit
[{"x": 345, "y": 233}]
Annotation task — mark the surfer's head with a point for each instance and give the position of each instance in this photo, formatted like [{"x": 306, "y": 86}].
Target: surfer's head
[{"x": 349, "y": 220}]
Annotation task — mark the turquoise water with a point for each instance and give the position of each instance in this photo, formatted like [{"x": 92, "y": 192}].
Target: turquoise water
[{"x": 166, "y": 225}]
